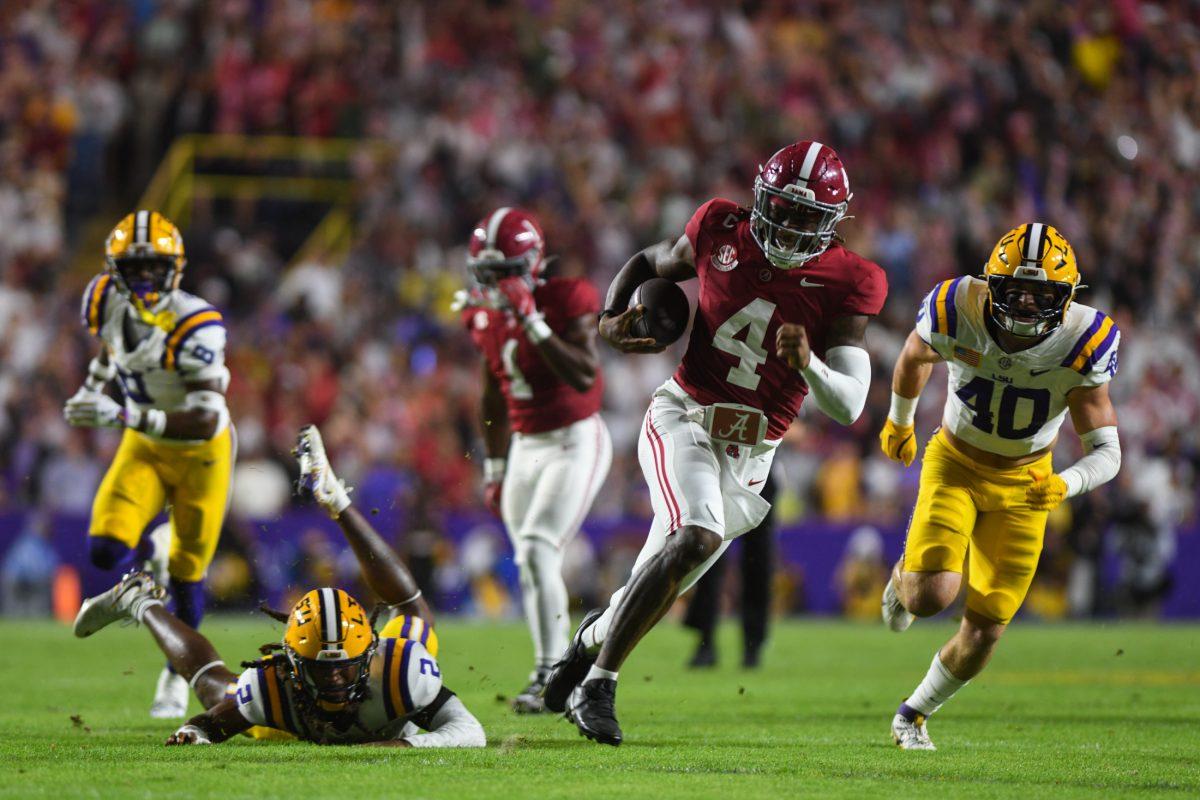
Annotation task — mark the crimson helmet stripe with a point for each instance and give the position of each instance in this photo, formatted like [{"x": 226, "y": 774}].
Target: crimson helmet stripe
[
  {"x": 141, "y": 228},
  {"x": 810, "y": 161},
  {"x": 329, "y": 616},
  {"x": 493, "y": 226},
  {"x": 1033, "y": 247}
]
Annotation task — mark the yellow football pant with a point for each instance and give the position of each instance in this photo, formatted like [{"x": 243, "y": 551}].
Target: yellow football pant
[
  {"x": 145, "y": 475},
  {"x": 978, "y": 516}
]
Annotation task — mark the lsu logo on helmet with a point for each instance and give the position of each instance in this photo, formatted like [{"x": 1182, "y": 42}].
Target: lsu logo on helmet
[
  {"x": 329, "y": 643},
  {"x": 144, "y": 254},
  {"x": 1034, "y": 259}
]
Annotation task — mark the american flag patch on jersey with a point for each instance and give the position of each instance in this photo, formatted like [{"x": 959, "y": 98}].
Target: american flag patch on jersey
[{"x": 967, "y": 355}]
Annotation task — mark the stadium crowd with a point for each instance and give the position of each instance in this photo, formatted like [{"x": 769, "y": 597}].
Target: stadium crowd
[{"x": 957, "y": 120}]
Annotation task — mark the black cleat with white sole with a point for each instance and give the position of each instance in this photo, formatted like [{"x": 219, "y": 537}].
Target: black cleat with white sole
[
  {"x": 595, "y": 713},
  {"x": 571, "y": 669}
]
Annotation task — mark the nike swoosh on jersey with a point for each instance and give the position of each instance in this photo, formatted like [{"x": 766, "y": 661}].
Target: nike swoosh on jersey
[
  {"x": 755, "y": 483},
  {"x": 1040, "y": 371},
  {"x": 808, "y": 283}
]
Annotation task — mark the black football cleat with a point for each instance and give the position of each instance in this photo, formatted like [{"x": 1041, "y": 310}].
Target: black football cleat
[
  {"x": 571, "y": 669},
  {"x": 705, "y": 656},
  {"x": 595, "y": 713}
]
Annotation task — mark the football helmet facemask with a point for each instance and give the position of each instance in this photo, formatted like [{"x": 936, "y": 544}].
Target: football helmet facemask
[
  {"x": 144, "y": 254},
  {"x": 800, "y": 195},
  {"x": 1032, "y": 277},
  {"x": 329, "y": 643}
]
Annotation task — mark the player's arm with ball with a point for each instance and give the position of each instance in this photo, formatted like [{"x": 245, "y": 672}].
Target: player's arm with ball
[
  {"x": 618, "y": 322},
  {"x": 1095, "y": 421},
  {"x": 839, "y": 384},
  {"x": 913, "y": 368},
  {"x": 198, "y": 419}
]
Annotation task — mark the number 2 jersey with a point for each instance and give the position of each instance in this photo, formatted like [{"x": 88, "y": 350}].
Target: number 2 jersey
[
  {"x": 1012, "y": 404},
  {"x": 537, "y": 399},
  {"x": 744, "y": 299},
  {"x": 404, "y": 694},
  {"x": 153, "y": 363}
]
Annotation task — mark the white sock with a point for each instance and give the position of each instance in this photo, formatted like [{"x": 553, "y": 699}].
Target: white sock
[
  {"x": 544, "y": 597},
  {"x": 595, "y": 673},
  {"x": 938, "y": 687},
  {"x": 597, "y": 632},
  {"x": 140, "y": 606}
]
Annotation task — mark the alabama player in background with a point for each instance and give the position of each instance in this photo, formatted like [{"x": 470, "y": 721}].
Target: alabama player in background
[
  {"x": 335, "y": 681},
  {"x": 783, "y": 310},
  {"x": 167, "y": 350},
  {"x": 1020, "y": 355},
  {"x": 548, "y": 450}
]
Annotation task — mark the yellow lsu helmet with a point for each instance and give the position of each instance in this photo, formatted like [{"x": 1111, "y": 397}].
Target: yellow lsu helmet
[
  {"x": 1032, "y": 278},
  {"x": 329, "y": 642},
  {"x": 144, "y": 255}
]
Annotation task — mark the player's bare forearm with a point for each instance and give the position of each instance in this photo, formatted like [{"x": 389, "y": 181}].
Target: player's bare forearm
[
  {"x": 382, "y": 566},
  {"x": 913, "y": 367},
  {"x": 1091, "y": 408},
  {"x": 675, "y": 262},
  {"x": 191, "y": 423},
  {"x": 572, "y": 356},
  {"x": 493, "y": 417},
  {"x": 663, "y": 260}
]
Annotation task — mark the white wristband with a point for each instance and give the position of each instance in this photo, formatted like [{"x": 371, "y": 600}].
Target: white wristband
[
  {"x": 493, "y": 469},
  {"x": 99, "y": 374},
  {"x": 536, "y": 328},
  {"x": 903, "y": 410}
]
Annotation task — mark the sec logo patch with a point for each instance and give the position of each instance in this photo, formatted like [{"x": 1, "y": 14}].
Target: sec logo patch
[
  {"x": 480, "y": 321},
  {"x": 725, "y": 259}
]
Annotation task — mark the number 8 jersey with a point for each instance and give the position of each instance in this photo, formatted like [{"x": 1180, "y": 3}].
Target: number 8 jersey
[
  {"x": 154, "y": 363},
  {"x": 1012, "y": 404}
]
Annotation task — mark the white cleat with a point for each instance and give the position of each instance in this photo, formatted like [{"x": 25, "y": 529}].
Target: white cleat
[
  {"x": 316, "y": 476},
  {"x": 125, "y": 601},
  {"x": 156, "y": 565},
  {"x": 171, "y": 696},
  {"x": 911, "y": 735},
  {"x": 895, "y": 614}
]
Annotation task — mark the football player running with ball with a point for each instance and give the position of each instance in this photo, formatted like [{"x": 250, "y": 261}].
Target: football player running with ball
[
  {"x": 1020, "y": 355},
  {"x": 336, "y": 682},
  {"x": 548, "y": 450},
  {"x": 783, "y": 310},
  {"x": 167, "y": 350}
]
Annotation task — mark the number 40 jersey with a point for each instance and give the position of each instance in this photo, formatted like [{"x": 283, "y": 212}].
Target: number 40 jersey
[{"x": 1012, "y": 404}]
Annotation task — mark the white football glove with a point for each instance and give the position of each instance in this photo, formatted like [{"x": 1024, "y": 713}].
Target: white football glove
[
  {"x": 87, "y": 409},
  {"x": 316, "y": 476},
  {"x": 188, "y": 734}
]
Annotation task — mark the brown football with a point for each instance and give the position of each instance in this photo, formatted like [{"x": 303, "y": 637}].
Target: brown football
[{"x": 667, "y": 311}]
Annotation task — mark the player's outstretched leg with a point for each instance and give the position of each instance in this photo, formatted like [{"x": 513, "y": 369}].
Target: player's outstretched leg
[
  {"x": 139, "y": 599},
  {"x": 648, "y": 597}
]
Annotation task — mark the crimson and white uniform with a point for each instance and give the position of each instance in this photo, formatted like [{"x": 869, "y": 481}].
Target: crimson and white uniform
[
  {"x": 731, "y": 358},
  {"x": 561, "y": 450}
]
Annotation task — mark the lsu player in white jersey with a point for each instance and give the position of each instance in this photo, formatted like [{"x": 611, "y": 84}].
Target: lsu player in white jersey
[
  {"x": 1021, "y": 355},
  {"x": 166, "y": 349},
  {"x": 332, "y": 679}
]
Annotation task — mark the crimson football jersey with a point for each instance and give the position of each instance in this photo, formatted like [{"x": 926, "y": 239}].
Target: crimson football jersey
[
  {"x": 538, "y": 400},
  {"x": 743, "y": 301}
]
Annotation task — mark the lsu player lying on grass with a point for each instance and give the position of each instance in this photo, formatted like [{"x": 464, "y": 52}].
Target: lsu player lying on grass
[
  {"x": 166, "y": 348},
  {"x": 336, "y": 681},
  {"x": 1020, "y": 356}
]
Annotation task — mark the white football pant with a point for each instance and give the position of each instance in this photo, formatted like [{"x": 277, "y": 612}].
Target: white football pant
[
  {"x": 549, "y": 485},
  {"x": 693, "y": 480}
]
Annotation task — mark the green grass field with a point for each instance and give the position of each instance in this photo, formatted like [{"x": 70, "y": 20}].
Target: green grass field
[{"x": 1070, "y": 711}]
